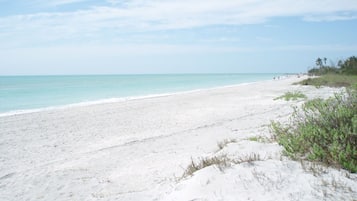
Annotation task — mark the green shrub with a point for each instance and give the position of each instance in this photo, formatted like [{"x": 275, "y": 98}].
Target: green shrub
[{"x": 323, "y": 131}]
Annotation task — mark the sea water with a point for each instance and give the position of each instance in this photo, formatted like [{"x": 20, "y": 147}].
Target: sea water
[{"x": 19, "y": 94}]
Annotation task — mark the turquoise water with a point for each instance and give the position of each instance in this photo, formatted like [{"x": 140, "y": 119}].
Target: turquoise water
[{"x": 18, "y": 93}]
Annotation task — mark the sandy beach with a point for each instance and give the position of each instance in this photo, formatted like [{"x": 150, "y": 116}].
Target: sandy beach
[{"x": 139, "y": 149}]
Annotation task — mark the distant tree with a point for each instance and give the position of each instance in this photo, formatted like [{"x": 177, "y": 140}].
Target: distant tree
[
  {"x": 349, "y": 66},
  {"x": 322, "y": 67},
  {"x": 319, "y": 62},
  {"x": 340, "y": 63}
]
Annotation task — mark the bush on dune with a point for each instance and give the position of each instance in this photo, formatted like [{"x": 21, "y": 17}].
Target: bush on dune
[{"x": 323, "y": 131}]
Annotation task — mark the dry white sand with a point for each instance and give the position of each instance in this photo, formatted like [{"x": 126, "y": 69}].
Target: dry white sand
[{"x": 139, "y": 149}]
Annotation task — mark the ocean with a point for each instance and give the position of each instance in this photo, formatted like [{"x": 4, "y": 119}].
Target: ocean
[{"x": 20, "y": 94}]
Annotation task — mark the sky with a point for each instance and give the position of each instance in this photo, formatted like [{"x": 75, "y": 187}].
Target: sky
[{"x": 49, "y": 37}]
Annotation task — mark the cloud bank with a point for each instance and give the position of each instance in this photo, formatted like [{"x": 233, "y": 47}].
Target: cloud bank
[{"x": 135, "y": 16}]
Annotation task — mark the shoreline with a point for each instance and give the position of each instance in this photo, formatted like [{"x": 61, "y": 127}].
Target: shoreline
[{"x": 128, "y": 98}]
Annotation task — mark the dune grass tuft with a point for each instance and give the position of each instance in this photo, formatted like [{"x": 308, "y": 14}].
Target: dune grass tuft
[
  {"x": 292, "y": 96},
  {"x": 261, "y": 139},
  {"x": 221, "y": 161}
]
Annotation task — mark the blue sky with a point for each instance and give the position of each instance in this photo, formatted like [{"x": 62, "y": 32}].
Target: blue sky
[{"x": 173, "y": 36}]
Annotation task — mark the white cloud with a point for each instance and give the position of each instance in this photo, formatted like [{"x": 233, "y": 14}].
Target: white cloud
[
  {"x": 332, "y": 17},
  {"x": 50, "y": 3},
  {"x": 147, "y": 15}
]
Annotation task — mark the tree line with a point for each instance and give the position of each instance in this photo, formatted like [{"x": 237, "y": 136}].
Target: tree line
[{"x": 348, "y": 67}]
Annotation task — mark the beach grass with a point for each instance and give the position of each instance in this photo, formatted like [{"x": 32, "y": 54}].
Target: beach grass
[
  {"x": 255, "y": 138},
  {"x": 261, "y": 139},
  {"x": 221, "y": 161},
  {"x": 292, "y": 96}
]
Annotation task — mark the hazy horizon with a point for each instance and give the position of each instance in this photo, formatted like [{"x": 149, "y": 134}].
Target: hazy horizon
[{"x": 137, "y": 74}]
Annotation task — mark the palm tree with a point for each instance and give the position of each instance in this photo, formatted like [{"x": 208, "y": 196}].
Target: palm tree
[{"x": 319, "y": 62}]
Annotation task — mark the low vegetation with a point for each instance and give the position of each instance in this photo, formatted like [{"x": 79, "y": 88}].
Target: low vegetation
[
  {"x": 261, "y": 139},
  {"x": 221, "y": 162},
  {"x": 323, "y": 131},
  {"x": 255, "y": 138},
  {"x": 331, "y": 80},
  {"x": 292, "y": 96}
]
